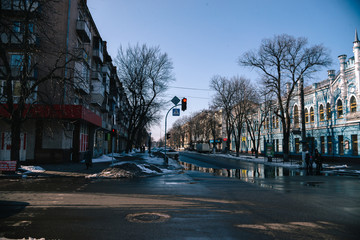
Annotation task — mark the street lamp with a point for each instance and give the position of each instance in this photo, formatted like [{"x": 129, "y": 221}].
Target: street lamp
[{"x": 303, "y": 130}]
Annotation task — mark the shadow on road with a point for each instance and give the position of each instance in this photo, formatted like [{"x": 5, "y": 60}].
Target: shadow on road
[{"x": 9, "y": 208}]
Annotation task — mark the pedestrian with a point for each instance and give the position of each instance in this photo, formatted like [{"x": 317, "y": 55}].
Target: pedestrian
[
  {"x": 311, "y": 161},
  {"x": 307, "y": 159},
  {"x": 88, "y": 160},
  {"x": 318, "y": 160}
]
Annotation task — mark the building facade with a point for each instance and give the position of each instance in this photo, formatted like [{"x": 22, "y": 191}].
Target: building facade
[
  {"x": 332, "y": 114},
  {"x": 78, "y": 108}
]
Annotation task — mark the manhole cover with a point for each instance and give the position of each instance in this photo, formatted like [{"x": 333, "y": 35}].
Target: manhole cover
[{"x": 147, "y": 217}]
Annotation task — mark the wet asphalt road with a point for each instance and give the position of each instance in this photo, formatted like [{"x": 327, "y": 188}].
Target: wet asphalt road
[{"x": 183, "y": 205}]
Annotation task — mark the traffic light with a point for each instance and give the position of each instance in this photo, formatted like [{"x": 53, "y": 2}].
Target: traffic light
[
  {"x": 167, "y": 135},
  {"x": 183, "y": 104},
  {"x": 113, "y": 131}
]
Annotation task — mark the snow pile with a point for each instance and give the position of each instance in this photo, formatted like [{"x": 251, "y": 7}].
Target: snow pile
[
  {"x": 334, "y": 166},
  {"x": 31, "y": 169},
  {"x": 128, "y": 170},
  {"x": 138, "y": 165}
]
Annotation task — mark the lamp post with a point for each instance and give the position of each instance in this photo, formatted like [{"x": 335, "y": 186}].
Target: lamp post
[{"x": 303, "y": 130}]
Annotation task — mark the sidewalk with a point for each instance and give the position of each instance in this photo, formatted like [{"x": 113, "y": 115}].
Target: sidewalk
[{"x": 350, "y": 165}]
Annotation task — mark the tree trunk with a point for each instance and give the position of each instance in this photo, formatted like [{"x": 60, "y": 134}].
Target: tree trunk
[
  {"x": 237, "y": 149},
  {"x": 286, "y": 147},
  {"x": 15, "y": 140}
]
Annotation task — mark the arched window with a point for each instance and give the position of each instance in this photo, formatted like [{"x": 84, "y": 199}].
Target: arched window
[
  {"x": 296, "y": 116},
  {"x": 306, "y": 116},
  {"x": 267, "y": 123},
  {"x": 328, "y": 111},
  {"x": 312, "y": 117},
  {"x": 321, "y": 113},
  {"x": 273, "y": 122},
  {"x": 339, "y": 109},
  {"x": 352, "y": 104}
]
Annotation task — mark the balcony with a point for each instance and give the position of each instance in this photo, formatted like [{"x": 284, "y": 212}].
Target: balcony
[
  {"x": 18, "y": 38},
  {"x": 97, "y": 93},
  {"x": 106, "y": 69},
  {"x": 17, "y": 5},
  {"x": 106, "y": 80},
  {"x": 83, "y": 30},
  {"x": 105, "y": 107},
  {"x": 82, "y": 86},
  {"x": 16, "y": 72},
  {"x": 98, "y": 54},
  {"x": 96, "y": 75},
  {"x": 82, "y": 54}
]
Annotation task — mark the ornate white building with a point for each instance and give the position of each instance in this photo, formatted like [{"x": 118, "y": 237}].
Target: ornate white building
[{"x": 332, "y": 114}]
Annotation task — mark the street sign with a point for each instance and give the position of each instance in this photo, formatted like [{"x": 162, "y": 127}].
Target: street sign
[
  {"x": 269, "y": 150},
  {"x": 176, "y": 112},
  {"x": 175, "y": 100}
]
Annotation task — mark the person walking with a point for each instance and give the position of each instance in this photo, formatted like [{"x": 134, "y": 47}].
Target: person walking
[{"x": 318, "y": 161}]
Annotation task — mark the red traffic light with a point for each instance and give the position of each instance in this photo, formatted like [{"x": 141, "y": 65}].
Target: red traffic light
[{"x": 183, "y": 104}]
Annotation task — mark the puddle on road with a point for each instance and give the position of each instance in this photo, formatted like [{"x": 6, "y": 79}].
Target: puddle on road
[{"x": 254, "y": 171}]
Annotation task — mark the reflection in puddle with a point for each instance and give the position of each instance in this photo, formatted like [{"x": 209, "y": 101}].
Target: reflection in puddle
[{"x": 252, "y": 172}]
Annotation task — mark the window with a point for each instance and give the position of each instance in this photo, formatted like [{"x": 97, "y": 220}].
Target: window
[
  {"x": 16, "y": 89},
  {"x": 277, "y": 122},
  {"x": 312, "y": 117},
  {"x": 328, "y": 111},
  {"x": 20, "y": 27},
  {"x": 322, "y": 144},
  {"x": 339, "y": 109},
  {"x": 17, "y": 27},
  {"x": 354, "y": 145},
  {"x": 296, "y": 117},
  {"x": 297, "y": 145},
  {"x": 352, "y": 104},
  {"x": 306, "y": 116},
  {"x": 341, "y": 144},
  {"x": 321, "y": 113},
  {"x": 273, "y": 122},
  {"x": 16, "y": 60},
  {"x": 267, "y": 123},
  {"x": 329, "y": 146},
  {"x": 84, "y": 139}
]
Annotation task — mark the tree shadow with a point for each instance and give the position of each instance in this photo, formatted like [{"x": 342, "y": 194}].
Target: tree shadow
[{"x": 9, "y": 208}]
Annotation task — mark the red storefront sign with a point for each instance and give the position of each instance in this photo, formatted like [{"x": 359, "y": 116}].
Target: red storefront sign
[
  {"x": 7, "y": 166},
  {"x": 58, "y": 112}
]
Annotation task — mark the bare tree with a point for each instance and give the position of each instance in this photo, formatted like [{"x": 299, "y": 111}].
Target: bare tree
[
  {"x": 146, "y": 73},
  {"x": 27, "y": 66},
  {"x": 244, "y": 96},
  {"x": 256, "y": 117},
  {"x": 212, "y": 125},
  {"x": 285, "y": 60},
  {"x": 224, "y": 99}
]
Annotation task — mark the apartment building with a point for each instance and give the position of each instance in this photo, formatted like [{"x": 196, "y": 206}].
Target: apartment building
[{"x": 75, "y": 104}]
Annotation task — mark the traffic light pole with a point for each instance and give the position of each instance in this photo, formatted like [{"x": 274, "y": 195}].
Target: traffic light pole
[{"x": 166, "y": 160}]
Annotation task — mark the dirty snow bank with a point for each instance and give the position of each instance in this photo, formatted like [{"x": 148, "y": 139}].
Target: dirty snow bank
[
  {"x": 31, "y": 169},
  {"x": 145, "y": 166}
]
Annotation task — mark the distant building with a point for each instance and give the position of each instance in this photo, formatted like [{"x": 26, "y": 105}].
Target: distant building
[{"x": 84, "y": 110}]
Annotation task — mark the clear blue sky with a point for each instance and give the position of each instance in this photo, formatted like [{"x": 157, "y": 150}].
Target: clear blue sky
[{"x": 205, "y": 37}]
